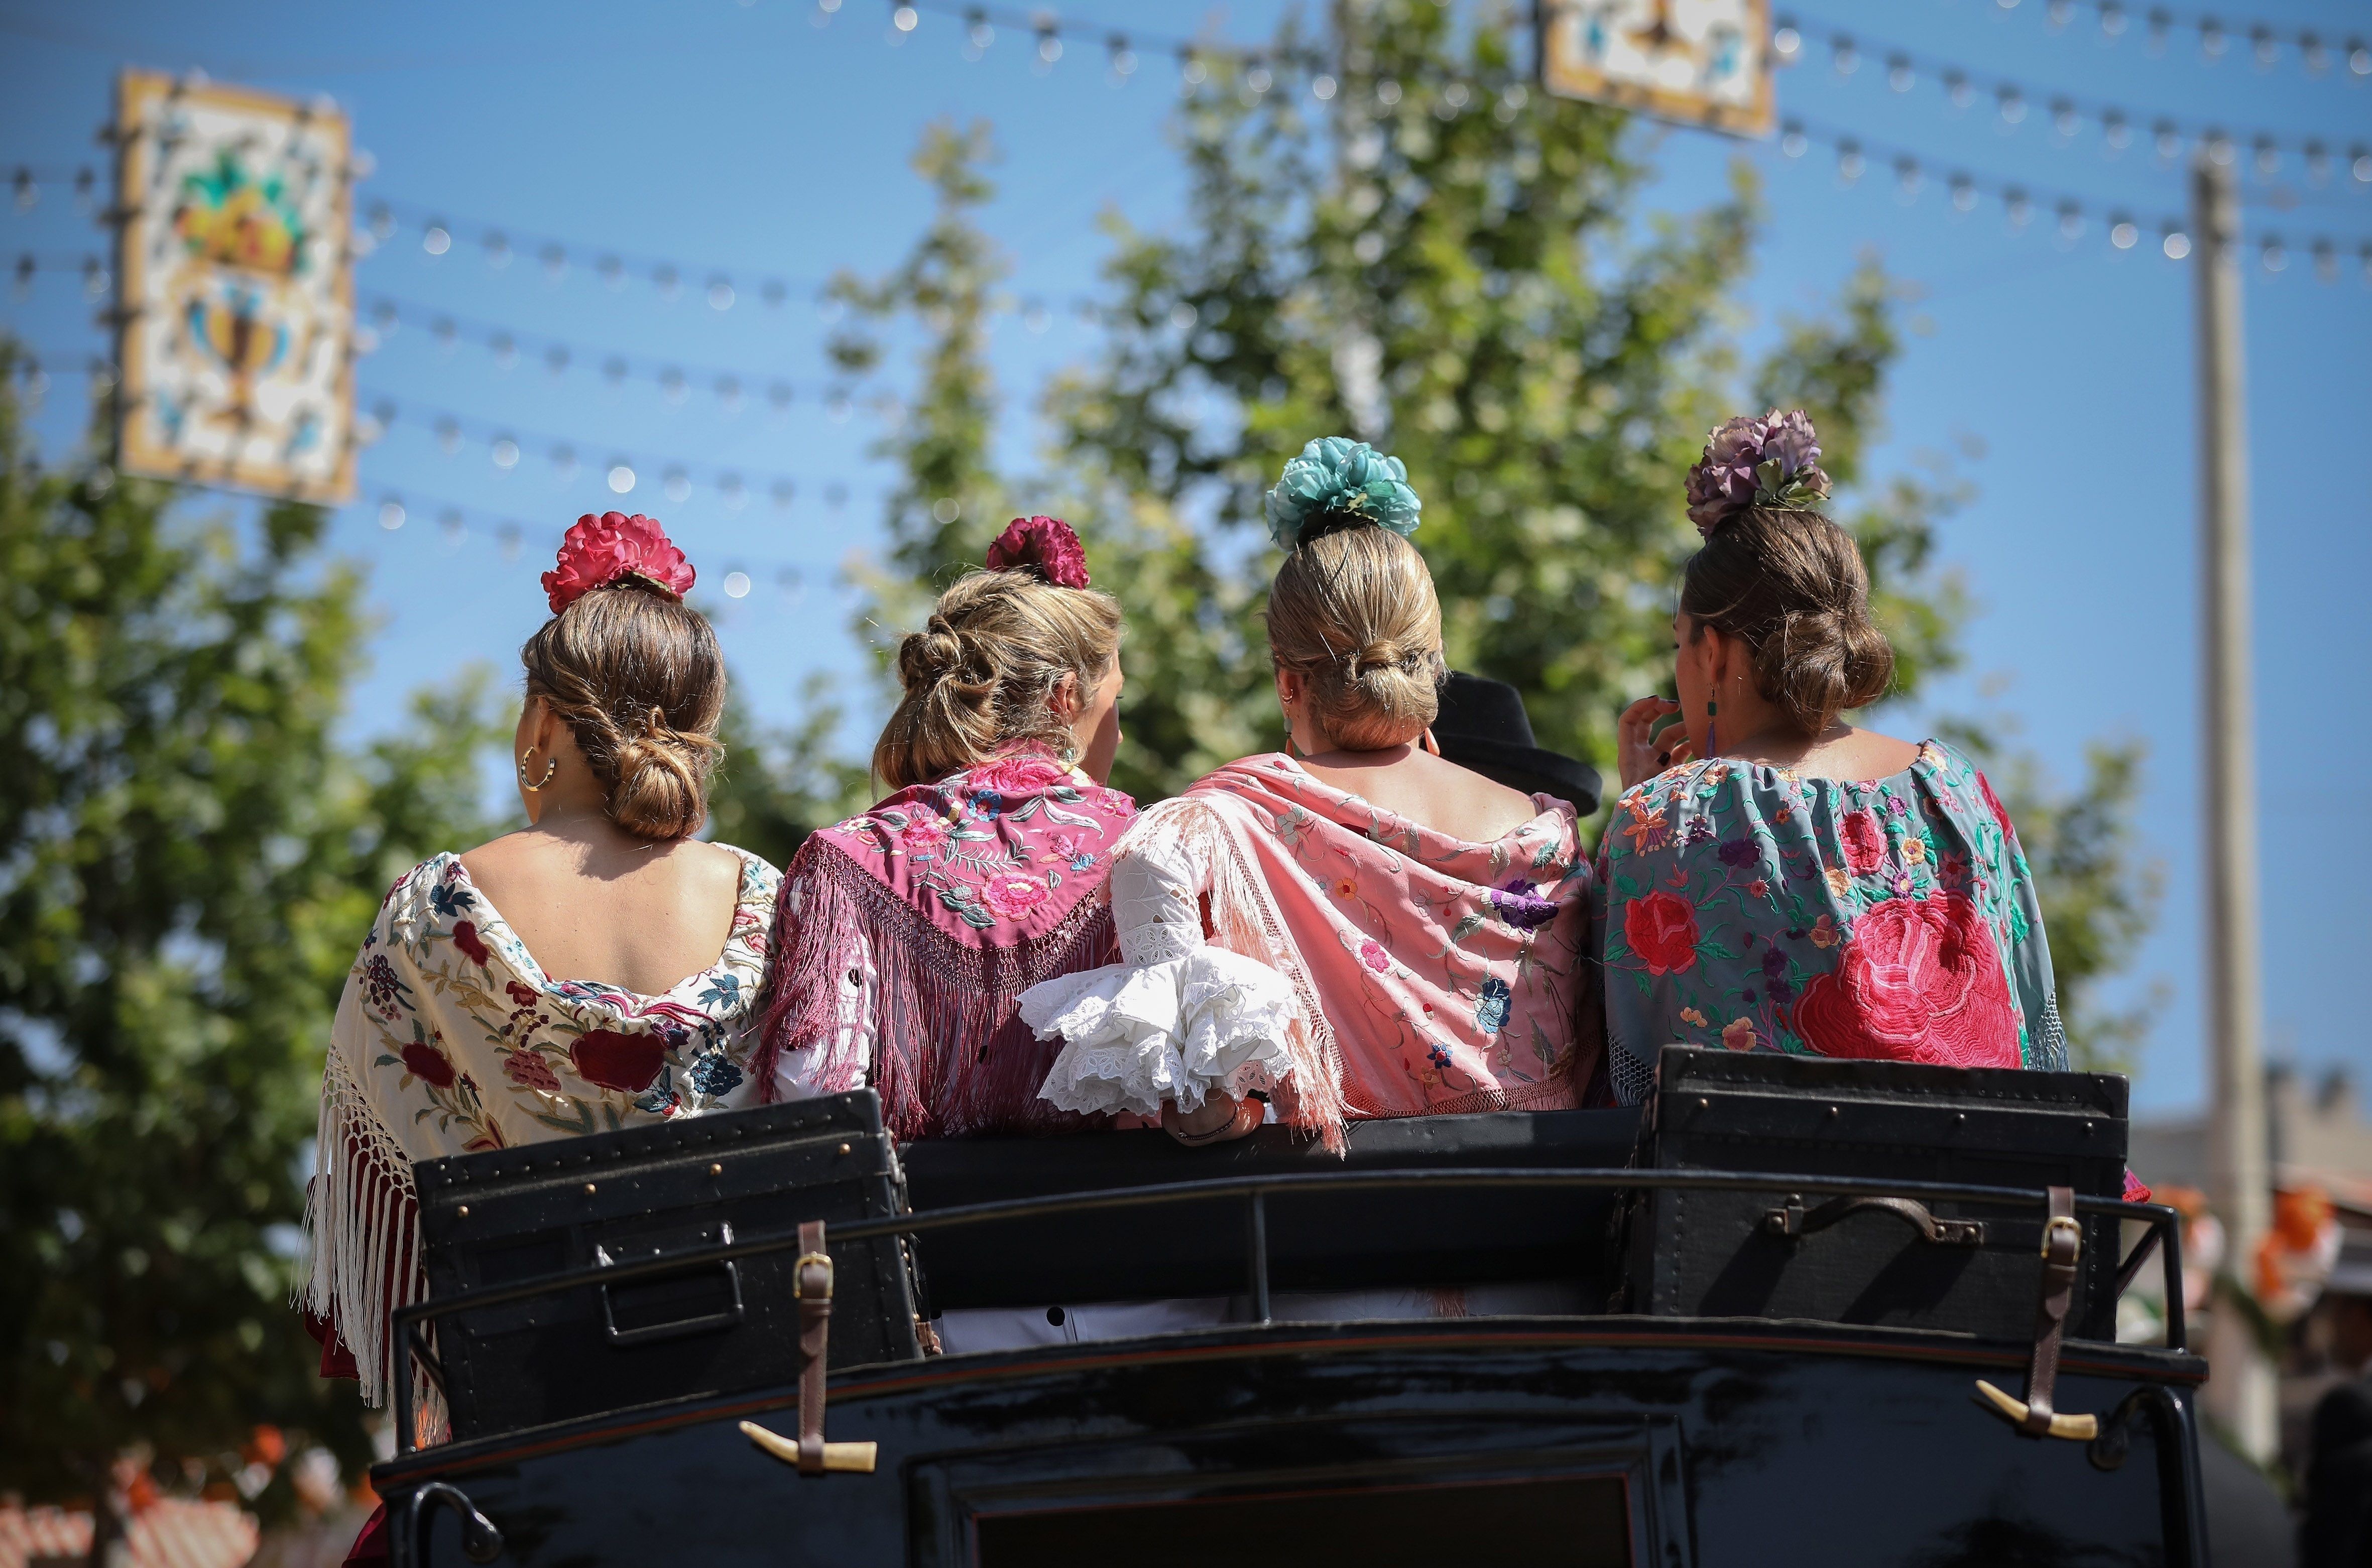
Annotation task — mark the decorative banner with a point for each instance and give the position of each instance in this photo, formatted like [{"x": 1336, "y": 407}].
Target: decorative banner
[
  {"x": 1699, "y": 62},
  {"x": 237, "y": 302}
]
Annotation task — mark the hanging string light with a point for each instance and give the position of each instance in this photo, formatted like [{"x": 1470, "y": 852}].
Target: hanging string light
[
  {"x": 382, "y": 317},
  {"x": 2267, "y": 39},
  {"x": 2068, "y": 111}
]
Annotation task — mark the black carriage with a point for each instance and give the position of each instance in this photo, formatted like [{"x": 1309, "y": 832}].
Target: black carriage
[{"x": 1831, "y": 1360}]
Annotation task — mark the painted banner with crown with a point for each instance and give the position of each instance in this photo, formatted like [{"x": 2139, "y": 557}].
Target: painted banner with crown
[
  {"x": 236, "y": 297},
  {"x": 1697, "y": 62}
]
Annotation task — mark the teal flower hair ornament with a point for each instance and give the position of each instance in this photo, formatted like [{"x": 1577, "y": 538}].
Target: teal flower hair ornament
[{"x": 1340, "y": 481}]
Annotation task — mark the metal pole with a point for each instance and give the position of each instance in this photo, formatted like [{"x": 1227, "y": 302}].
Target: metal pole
[{"x": 2240, "y": 1392}]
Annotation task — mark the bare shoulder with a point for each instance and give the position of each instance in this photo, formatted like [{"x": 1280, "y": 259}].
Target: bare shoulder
[
  {"x": 710, "y": 869},
  {"x": 1862, "y": 755},
  {"x": 511, "y": 855},
  {"x": 1488, "y": 808}
]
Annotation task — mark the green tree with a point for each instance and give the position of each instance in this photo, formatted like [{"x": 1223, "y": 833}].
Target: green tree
[
  {"x": 186, "y": 862},
  {"x": 779, "y": 784}
]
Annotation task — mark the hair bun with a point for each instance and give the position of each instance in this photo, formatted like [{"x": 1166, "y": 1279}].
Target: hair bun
[
  {"x": 1047, "y": 547},
  {"x": 1339, "y": 483},
  {"x": 1773, "y": 461}
]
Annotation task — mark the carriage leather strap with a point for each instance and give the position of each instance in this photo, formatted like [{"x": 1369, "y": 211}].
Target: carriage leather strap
[
  {"x": 811, "y": 1284},
  {"x": 2063, "y": 1253}
]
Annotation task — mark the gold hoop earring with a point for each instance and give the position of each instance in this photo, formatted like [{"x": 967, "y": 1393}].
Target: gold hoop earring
[{"x": 550, "y": 767}]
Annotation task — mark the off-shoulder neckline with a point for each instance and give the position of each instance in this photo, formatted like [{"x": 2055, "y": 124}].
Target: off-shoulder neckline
[{"x": 750, "y": 894}]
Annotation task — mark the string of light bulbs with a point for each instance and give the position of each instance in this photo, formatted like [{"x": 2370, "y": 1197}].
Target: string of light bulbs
[
  {"x": 2022, "y": 201},
  {"x": 506, "y": 447},
  {"x": 2316, "y": 52},
  {"x": 457, "y": 524},
  {"x": 2067, "y": 113},
  {"x": 382, "y": 316}
]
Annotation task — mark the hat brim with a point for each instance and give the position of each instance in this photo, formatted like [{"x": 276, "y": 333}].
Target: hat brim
[{"x": 1528, "y": 768}]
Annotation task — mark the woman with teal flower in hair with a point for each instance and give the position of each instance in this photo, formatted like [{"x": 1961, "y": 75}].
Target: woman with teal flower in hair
[{"x": 1353, "y": 927}]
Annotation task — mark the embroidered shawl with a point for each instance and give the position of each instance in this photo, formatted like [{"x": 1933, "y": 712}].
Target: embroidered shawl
[
  {"x": 450, "y": 1038},
  {"x": 962, "y": 894},
  {"x": 1437, "y": 975}
]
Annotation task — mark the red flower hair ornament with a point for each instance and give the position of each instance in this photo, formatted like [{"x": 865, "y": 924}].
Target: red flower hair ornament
[
  {"x": 600, "y": 550},
  {"x": 1043, "y": 545}
]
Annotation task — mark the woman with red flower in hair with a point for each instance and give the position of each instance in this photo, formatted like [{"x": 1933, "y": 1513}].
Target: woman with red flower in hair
[
  {"x": 1776, "y": 878},
  {"x": 596, "y": 968},
  {"x": 905, "y": 934}
]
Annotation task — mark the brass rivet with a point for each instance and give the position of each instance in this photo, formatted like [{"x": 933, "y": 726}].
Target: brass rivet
[
  {"x": 1704, "y": 1104},
  {"x": 463, "y": 1210},
  {"x": 589, "y": 1188},
  {"x": 843, "y": 1148},
  {"x": 715, "y": 1170},
  {"x": 1832, "y": 1110},
  {"x": 1961, "y": 1118}
]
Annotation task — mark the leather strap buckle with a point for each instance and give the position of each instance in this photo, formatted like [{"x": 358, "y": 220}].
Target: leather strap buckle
[
  {"x": 2062, "y": 1241},
  {"x": 801, "y": 1290},
  {"x": 2063, "y": 1248}
]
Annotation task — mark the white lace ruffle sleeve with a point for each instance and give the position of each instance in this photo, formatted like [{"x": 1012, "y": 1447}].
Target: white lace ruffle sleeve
[{"x": 1178, "y": 1016}]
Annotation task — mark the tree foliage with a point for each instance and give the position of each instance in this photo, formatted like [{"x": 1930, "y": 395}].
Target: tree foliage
[{"x": 187, "y": 858}]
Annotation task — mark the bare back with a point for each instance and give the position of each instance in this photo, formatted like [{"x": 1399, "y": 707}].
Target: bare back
[
  {"x": 627, "y": 912},
  {"x": 1427, "y": 790}
]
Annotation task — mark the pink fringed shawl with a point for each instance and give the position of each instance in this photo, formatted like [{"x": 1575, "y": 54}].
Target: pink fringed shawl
[
  {"x": 963, "y": 894},
  {"x": 1440, "y": 976}
]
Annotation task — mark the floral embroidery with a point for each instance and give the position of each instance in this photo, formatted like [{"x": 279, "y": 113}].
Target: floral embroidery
[
  {"x": 1662, "y": 930},
  {"x": 1372, "y": 954},
  {"x": 465, "y": 936},
  {"x": 1491, "y": 1007},
  {"x": 1902, "y": 925},
  {"x": 1520, "y": 903},
  {"x": 969, "y": 840},
  {"x": 464, "y": 1043}
]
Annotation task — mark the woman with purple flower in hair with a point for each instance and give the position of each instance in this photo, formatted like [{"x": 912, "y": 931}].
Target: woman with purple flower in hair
[{"x": 1775, "y": 877}]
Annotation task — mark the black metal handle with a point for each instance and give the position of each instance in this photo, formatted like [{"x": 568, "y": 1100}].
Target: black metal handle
[
  {"x": 481, "y": 1543},
  {"x": 1794, "y": 1220},
  {"x": 706, "y": 1322}
]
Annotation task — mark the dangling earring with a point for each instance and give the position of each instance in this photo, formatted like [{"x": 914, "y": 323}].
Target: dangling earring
[
  {"x": 1713, "y": 730},
  {"x": 550, "y": 768},
  {"x": 1285, "y": 711},
  {"x": 1069, "y": 754}
]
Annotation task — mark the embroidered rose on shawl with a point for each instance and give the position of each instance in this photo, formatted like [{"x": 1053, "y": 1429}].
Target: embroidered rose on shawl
[
  {"x": 984, "y": 805},
  {"x": 1864, "y": 841},
  {"x": 1520, "y": 903},
  {"x": 521, "y": 996},
  {"x": 1012, "y": 894},
  {"x": 611, "y": 1059},
  {"x": 1372, "y": 954},
  {"x": 528, "y": 1070},
  {"x": 924, "y": 833},
  {"x": 1018, "y": 773},
  {"x": 428, "y": 1064},
  {"x": 1738, "y": 1034},
  {"x": 474, "y": 946},
  {"x": 1733, "y": 854},
  {"x": 1491, "y": 1006},
  {"x": 1920, "y": 980},
  {"x": 1662, "y": 930}
]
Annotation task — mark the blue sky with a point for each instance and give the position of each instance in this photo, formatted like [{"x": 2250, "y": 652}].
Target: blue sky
[{"x": 750, "y": 141}]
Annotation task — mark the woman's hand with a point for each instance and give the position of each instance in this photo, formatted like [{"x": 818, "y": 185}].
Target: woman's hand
[
  {"x": 1640, "y": 753},
  {"x": 1221, "y": 1119}
]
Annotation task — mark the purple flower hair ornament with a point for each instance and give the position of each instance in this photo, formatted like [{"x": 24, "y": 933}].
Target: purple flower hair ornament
[{"x": 1771, "y": 461}]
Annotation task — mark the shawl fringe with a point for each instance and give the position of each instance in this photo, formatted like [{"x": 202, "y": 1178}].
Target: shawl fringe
[
  {"x": 949, "y": 1053},
  {"x": 362, "y": 1235}
]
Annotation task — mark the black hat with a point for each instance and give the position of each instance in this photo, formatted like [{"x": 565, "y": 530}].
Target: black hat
[{"x": 1482, "y": 726}]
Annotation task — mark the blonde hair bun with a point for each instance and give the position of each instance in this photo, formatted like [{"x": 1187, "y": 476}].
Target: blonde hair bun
[{"x": 1353, "y": 612}]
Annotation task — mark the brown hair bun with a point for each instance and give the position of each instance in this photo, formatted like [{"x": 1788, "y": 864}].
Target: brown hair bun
[
  {"x": 1791, "y": 586},
  {"x": 637, "y": 677}
]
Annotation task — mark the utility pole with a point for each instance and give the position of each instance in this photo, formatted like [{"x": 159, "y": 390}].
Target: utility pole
[{"x": 2240, "y": 1391}]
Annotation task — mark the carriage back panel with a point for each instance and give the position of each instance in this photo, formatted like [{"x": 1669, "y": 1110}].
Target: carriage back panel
[
  {"x": 612, "y": 1198},
  {"x": 1728, "y": 1254}
]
